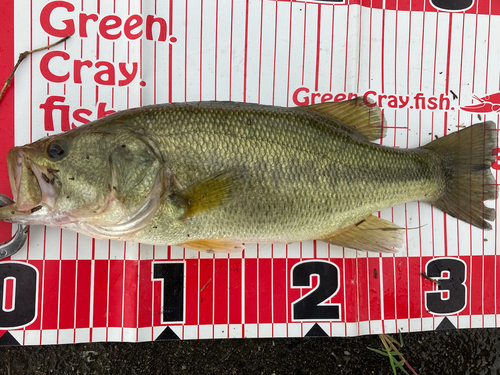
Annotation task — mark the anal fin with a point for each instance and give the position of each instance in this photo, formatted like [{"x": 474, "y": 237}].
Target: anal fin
[
  {"x": 371, "y": 234},
  {"x": 220, "y": 245}
]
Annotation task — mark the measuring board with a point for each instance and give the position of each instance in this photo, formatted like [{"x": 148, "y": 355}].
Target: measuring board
[{"x": 425, "y": 63}]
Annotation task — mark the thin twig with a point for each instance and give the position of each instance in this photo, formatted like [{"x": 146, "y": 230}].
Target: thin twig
[
  {"x": 424, "y": 275},
  {"x": 204, "y": 286},
  {"x": 22, "y": 56}
]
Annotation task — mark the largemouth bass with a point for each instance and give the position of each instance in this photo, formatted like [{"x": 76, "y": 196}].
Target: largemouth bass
[{"x": 213, "y": 175}]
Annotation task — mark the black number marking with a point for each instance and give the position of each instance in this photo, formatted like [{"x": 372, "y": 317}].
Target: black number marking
[
  {"x": 452, "y": 5},
  {"x": 312, "y": 306},
  {"x": 451, "y": 294},
  {"x": 171, "y": 275},
  {"x": 23, "y": 307}
]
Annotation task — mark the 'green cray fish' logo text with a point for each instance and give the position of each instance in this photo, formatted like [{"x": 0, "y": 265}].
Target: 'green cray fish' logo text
[
  {"x": 305, "y": 96},
  {"x": 61, "y": 18}
]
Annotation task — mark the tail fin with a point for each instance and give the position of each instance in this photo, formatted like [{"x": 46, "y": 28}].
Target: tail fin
[{"x": 467, "y": 158}]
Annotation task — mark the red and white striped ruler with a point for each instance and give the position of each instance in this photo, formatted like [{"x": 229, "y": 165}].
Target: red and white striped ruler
[{"x": 421, "y": 61}]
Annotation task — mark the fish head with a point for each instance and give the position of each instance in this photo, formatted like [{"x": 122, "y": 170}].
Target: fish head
[
  {"x": 84, "y": 179},
  {"x": 59, "y": 176}
]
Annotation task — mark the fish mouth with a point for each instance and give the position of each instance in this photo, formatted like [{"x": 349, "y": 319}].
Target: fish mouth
[{"x": 33, "y": 185}]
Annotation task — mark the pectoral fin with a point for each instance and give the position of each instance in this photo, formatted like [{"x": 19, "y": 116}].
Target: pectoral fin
[
  {"x": 371, "y": 234},
  {"x": 212, "y": 192},
  {"x": 214, "y": 246}
]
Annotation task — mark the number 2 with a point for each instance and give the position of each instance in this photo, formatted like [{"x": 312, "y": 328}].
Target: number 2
[{"x": 312, "y": 306}]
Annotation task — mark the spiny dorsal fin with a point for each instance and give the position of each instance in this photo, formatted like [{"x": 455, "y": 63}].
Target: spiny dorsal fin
[
  {"x": 214, "y": 191},
  {"x": 220, "y": 245},
  {"x": 361, "y": 114},
  {"x": 371, "y": 234}
]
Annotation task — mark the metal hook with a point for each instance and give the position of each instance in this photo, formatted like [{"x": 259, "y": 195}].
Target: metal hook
[{"x": 15, "y": 244}]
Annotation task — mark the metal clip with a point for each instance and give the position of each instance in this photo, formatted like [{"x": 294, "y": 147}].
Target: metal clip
[{"x": 15, "y": 244}]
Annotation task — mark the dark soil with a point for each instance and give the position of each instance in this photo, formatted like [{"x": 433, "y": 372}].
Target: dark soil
[{"x": 472, "y": 351}]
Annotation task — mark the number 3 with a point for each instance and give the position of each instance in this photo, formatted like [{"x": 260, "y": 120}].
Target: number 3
[{"x": 450, "y": 296}]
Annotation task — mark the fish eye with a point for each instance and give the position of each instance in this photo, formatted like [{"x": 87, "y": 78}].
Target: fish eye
[{"x": 57, "y": 150}]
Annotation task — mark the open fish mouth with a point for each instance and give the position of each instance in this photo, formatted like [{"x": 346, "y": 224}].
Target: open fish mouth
[{"x": 32, "y": 185}]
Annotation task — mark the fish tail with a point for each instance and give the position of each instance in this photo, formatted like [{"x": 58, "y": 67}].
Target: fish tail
[{"x": 467, "y": 156}]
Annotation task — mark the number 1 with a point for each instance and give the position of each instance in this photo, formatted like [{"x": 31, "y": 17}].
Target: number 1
[{"x": 171, "y": 275}]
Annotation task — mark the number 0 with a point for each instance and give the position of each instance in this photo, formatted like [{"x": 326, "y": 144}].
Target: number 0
[{"x": 23, "y": 299}]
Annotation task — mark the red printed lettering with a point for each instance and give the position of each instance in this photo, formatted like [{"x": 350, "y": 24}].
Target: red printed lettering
[
  {"x": 109, "y": 23},
  {"x": 304, "y": 96},
  {"x": 496, "y": 163},
  {"x": 339, "y": 97},
  {"x": 380, "y": 98},
  {"x": 47, "y": 25},
  {"x": 77, "y": 68},
  {"x": 326, "y": 97},
  {"x": 303, "y": 100},
  {"x": 432, "y": 103},
  {"x": 106, "y": 75},
  {"x": 83, "y": 23},
  {"x": 128, "y": 77},
  {"x": 109, "y": 70},
  {"x": 80, "y": 115},
  {"x": 133, "y": 22},
  {"x": 109, "y": 26},
  {"x": 150, "y": 21},
  {"x": 393, "y": 101},
  {"x": 419, "y": 101},
  {"x": 404, "y": 102},
  {"x": 49, "y": 107},
  {"x": 101, "y": 110},
  {"x": 314, "y": 95},
  {"x": 77, "y": 115},
  {"x": 444, "y": 102},
  {"x": 366, "y": 99},
  {"x": 45, "y": 70}
]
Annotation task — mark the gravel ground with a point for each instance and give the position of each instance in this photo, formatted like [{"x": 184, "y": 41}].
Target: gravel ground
[{"x": 474, "y": 351}]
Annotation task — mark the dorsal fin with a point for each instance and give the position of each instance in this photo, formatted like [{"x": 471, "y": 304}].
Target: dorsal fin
[{"x": 361, "y": 114}]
